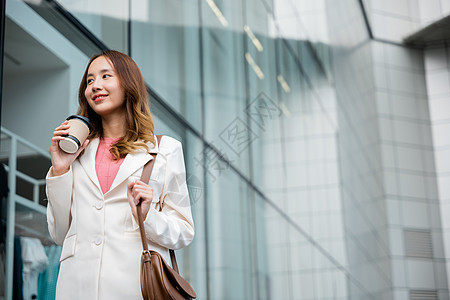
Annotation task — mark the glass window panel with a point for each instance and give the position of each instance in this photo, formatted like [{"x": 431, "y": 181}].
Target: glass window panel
[
  {"x": 165, "y": 44},
  {"x": 229, "y": 237},
  {"x": 106, "y": 19},
  {"x": 293, "y": 265},
  {"x": 224, "y": 81}
]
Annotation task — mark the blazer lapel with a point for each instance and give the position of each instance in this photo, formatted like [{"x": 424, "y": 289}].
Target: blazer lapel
[
  {"x": 132, "y": 162},
  {"x": 87, "y": 161}
]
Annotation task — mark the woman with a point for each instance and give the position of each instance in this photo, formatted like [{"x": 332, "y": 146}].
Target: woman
[{"x": 92, "y": 194}]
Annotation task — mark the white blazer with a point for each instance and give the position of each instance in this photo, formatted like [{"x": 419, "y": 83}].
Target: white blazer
[{"x": 101, "y": 252}]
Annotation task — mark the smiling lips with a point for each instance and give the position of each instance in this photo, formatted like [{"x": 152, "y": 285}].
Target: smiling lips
[{"x": 99, "y": 97}]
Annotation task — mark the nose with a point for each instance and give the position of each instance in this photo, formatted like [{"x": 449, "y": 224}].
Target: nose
[{"x": 97, "y": 85}]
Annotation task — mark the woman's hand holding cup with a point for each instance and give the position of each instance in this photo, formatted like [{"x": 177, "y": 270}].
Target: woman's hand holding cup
[{"x": 61, "y": 160}]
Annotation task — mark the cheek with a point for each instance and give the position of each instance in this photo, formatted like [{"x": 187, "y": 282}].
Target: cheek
[
  {"x": 120, "y": 94},
  {"x": 120, "y": 91},
  {"x": 87, "y": 94}
]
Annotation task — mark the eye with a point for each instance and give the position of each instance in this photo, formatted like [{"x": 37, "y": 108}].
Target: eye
[
  {"x": 106, "y": 75},
  {"x": 90, "y": 80}
]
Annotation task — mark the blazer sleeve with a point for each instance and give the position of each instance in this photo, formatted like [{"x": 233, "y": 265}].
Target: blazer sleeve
[
  {"x": 59, "y": 195},
  {"x": 173, "y": 226}
]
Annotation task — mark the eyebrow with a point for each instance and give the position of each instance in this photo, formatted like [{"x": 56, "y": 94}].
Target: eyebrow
[{"x": 101, "y": 71}]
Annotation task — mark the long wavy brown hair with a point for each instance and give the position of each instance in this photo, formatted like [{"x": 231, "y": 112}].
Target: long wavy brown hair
[{"x": 139, "y": 123}]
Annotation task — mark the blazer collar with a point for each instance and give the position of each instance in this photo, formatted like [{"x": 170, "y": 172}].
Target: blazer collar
[{"x": 131, "y": 163}]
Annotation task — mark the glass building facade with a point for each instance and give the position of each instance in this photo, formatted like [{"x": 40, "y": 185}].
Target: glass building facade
[{"x": 315, "y": 133}]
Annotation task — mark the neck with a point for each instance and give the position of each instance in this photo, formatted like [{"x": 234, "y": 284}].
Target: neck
[{"x": 113, "y": 127}]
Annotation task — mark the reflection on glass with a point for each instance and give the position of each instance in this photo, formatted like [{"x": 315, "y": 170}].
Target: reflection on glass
[
  {"x": 285, "y": 109},
  {"x": 253, "y": 38},
  {"x": 217, "y": 12},
  {"x": 106, "y": 19},
  {"x": 254, "y": 66},
  {"x": 283, "y": 83}
]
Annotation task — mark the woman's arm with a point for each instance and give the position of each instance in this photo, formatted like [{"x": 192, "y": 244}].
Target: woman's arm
[
  {"x": 173, "y": 226},
  {"x": 59, "y": 195},
  {"x": 59, "y": 183}
]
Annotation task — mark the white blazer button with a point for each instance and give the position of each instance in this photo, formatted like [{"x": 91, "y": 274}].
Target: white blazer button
[
  {"x": 98, "y": 240},
  {"x": 99, "y": 205}
]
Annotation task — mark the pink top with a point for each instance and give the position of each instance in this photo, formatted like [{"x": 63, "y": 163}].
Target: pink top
[{"x": 105, "y": 165}]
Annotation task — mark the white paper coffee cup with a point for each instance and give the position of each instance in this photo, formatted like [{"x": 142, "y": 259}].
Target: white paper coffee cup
[{"x": 79, "y": 130}]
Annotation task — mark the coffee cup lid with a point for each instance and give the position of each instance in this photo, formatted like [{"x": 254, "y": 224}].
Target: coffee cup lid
[
  {"x": 82, "y": 118},
  {"x": 69, "y": 144}
]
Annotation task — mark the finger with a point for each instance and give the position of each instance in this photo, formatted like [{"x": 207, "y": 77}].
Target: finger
[
  {"x": 146, "y": 195},
  {"x": 142, "y": 185},
  {"x": 60, "y": 132},
  {"x": 138, "y": 182},
  {"x": 131, "y": 201},
  {"x": 57, "y": 138},
  {"x": 64, "y": 125},
  {"x": 54, "y": 144},
  {"x": 130, "y": 189},
  {"x": 86, "y": 142},
  {"x": 139, "y": 198},
  {"x": 142, "y": 188},
  {"x": 131, "y": 184}
]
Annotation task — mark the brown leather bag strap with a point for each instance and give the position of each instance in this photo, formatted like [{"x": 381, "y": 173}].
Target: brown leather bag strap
[
  {"x": 145, "y": 177},
  {"x": 173, "y": 259}
]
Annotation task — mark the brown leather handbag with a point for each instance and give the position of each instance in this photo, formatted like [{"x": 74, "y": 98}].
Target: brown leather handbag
[{"x": 158, "y": 280}]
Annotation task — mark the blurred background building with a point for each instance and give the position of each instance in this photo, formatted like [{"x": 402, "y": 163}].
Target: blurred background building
[{"x": 316, "y": 135}]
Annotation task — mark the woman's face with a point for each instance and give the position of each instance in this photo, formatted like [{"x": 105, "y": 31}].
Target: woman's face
[{"x": 103, "y": 92}]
